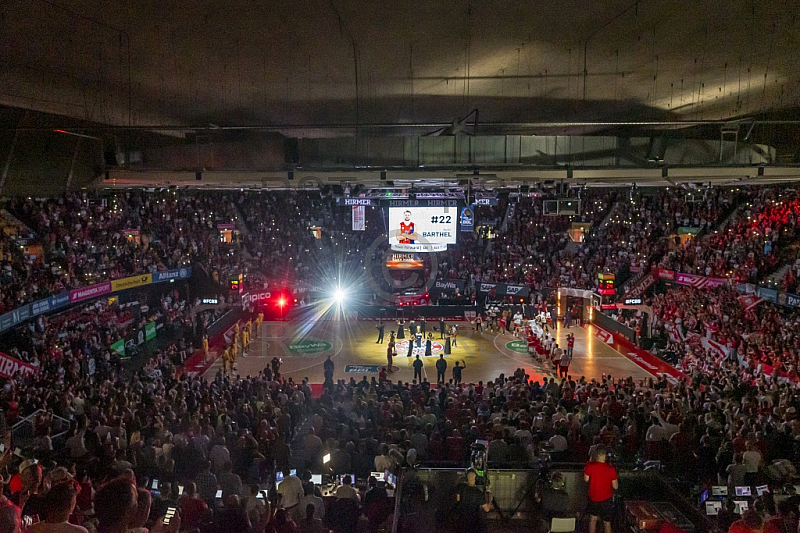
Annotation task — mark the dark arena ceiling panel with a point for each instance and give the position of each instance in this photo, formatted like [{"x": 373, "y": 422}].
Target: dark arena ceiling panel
[{"x": 141, "y": 63}]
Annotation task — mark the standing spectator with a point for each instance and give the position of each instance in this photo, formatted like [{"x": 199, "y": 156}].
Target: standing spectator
[
  {"x": 231, "y": 518},
  {"x": 10, "y": 518},
  {"x": 602, "y": 480},
  {"x": 229, "y": 482},
  {"x": 255, "y": 507},
  {"x": 193, "y": 509},
  {"x": 751, "y": 522},
  {"x": 282, "y": 523},
  {"x": 219, "y": 455},
  {"x": 207, "y": 484},
  {"x": 752, "y": 460},
  {"x": 60, "y": 503},
  {"x": 115, "y": 506},
  {"x": 290, "y": 490}
]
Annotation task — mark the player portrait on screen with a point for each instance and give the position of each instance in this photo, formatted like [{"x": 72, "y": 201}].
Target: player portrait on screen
[{"x": 407, "y": 234}]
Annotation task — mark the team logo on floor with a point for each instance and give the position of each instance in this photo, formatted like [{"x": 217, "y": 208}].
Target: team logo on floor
[
  {"x": 401, "y": 347},
  {"x": 309, "y": 346},
  {"x": 518, "y": 346}
]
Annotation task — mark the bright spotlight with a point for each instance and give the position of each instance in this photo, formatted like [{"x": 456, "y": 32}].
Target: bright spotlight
[
  {"x": 282, "y": 302},
  {"x": 338, "y": 296}
]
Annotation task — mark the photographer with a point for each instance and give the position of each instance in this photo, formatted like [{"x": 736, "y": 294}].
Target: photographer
[
  {"x": 553, "y": 498},
  {"x": 473, "y": 504},
  {"x": 602, "y": 480}
]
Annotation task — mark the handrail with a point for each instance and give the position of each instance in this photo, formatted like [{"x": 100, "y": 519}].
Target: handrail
[{"x": 30, "y": 421}]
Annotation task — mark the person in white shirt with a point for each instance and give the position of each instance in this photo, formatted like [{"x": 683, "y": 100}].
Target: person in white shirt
[
  {"x": 752, "y": 461},
  {"x": 219, "y": 455},
  {"x": 253, "y": 505},
  {"x": 310, "y": 497},
  {"x": 290, "y": 490},
  {"x": 346, "y": 490},
  {"x": 383, "y": 461},
  {"x": 559, "y": 443}
]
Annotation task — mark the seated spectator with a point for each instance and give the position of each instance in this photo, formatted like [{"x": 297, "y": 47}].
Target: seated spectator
[
  {"x": 310, "y": 498},
  {"x": 346, "y": 489},
  {"x": 310, "y": 523}
]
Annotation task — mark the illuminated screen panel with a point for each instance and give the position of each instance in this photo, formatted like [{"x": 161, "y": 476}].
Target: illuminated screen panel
[{"x": 422, "y": 229}]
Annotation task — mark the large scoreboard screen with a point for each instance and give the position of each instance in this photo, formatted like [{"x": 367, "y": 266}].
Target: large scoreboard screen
[{"x": 422, "y": 228}]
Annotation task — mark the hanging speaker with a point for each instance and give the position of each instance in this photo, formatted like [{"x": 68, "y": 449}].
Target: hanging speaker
[{"x": 291, "y": 151}]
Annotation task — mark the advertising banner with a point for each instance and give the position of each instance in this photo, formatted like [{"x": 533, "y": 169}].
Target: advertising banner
[
  {"x": 504, "y": 289},
  {"x": 84, "y": 293},
  {"x": 150, "y": 331},
  {"x": 468, "y": 218},
  {"x": 449, "y": 287},
  {"x": 49, "y": 304},
  {"x": 251, "y": 298},
  {"x": 665, "y": 274},
  {"x": 172, "y": 275},
  {"x": 359, "y": 217},
  {"x": 642, "y": 358},
  {"x": 131, "y": 282},
  {"x": 57, "y": 301},
  {"x": 9, "y": 366},
  {"x": 792, "y": 300},
  {"x": 700, "y": 282},
  {"x": 119, "y": 347},
  {"x": 771, "y": 295},
  {"x": 348, "y": 202}
]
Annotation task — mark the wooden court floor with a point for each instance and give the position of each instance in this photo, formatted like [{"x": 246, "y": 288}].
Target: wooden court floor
[{"x": 304, "y": 346}]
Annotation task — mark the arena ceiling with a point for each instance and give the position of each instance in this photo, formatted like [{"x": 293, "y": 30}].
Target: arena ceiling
[{"x": 331, "y": 62}]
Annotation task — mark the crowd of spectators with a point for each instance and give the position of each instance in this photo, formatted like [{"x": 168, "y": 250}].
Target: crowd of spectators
[
  {"x": 126, "y": 429},
  {"x": 86, "y": 239},
  {"x": 748, "y": 249},
  {"x": 765, "y": 335},
  {"x": 791, "y": 278},
  {"x": 227, "y": 434}
]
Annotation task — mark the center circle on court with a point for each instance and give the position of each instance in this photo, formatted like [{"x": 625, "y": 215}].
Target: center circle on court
[
  {"x": 518, "y": 346},
  {"x": 401, "y": 347}
]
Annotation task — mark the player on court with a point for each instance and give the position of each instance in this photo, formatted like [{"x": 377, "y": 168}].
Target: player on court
[{"x": 389, "y": 355}]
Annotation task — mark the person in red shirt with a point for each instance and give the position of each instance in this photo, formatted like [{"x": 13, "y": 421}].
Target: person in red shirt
[
  {"x": 194, "y": 511},
  {"x": 602, "y": 480},
  {"x": 751, "y": 522}
]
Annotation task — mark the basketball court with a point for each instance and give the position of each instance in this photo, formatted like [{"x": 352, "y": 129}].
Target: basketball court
[{"x": 304, "y": 346}]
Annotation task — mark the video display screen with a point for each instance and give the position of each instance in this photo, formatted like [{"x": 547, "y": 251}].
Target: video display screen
[{"x": 422, "y": 229}]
